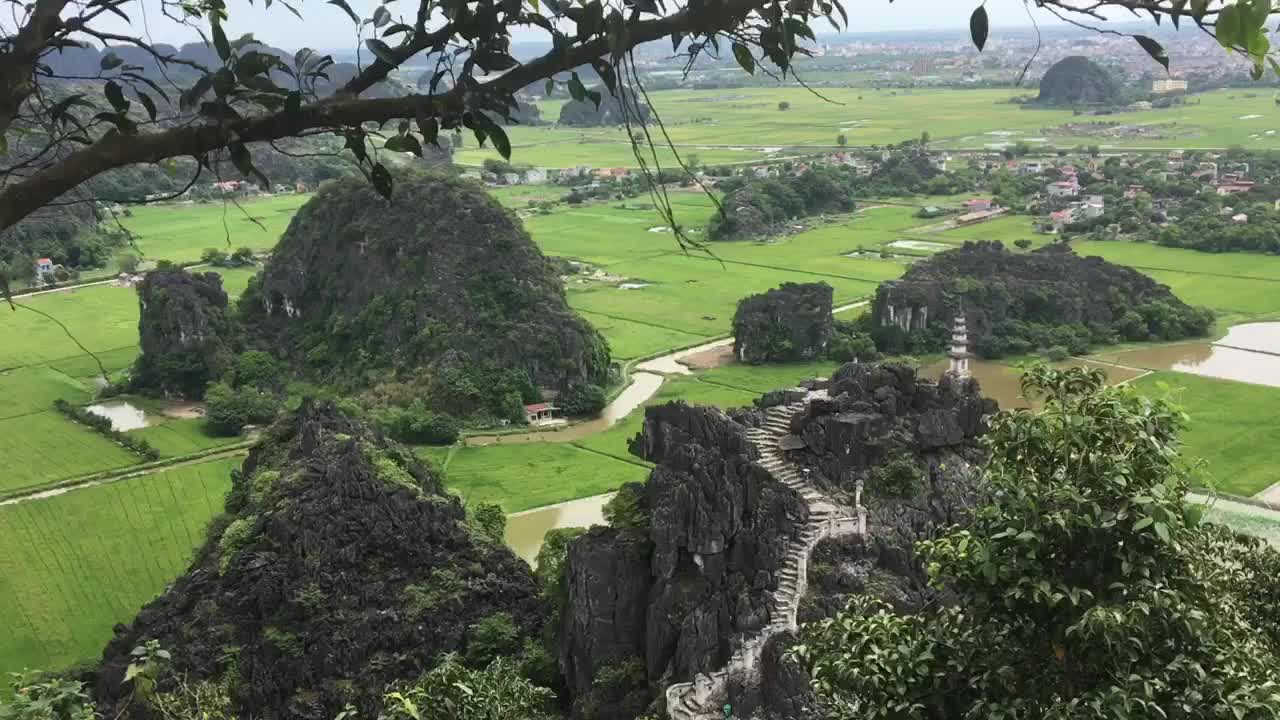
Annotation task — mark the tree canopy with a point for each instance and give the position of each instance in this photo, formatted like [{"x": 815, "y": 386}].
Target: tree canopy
[
  {"x": 54, "y": 138},
  {"x": 1087, "y": 587}
]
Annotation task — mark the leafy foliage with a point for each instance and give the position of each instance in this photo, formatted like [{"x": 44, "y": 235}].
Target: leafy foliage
[
  {"x": 452, "y": 691},
  {"x": 1087, "y": 588},
  {"x": 102, "y": 425},
  {"x": 627, "y": 510}
]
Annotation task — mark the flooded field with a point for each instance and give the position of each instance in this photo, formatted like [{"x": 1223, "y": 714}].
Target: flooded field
[
  {"x": 123, "y": 415},
  {"x": 1003, "y": 382},
  {"x": 1249, "y": 353},
  {"x": 525, "y": 530}
]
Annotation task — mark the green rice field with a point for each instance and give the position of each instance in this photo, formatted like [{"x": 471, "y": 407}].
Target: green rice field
[
  {"x": 182, "y": 231},
  {"x": 1233, "y": 427},
  {"x": 98, "y": 554},
  {"x": 748, "y": 127}
]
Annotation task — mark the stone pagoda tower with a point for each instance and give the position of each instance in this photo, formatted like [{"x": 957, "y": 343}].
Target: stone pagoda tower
[{"x": 959, "y": 351}]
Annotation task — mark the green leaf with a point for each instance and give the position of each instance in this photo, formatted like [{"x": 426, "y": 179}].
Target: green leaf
[
  {"x": 743, "y": 55},
  {"x": 978, "y": 27},
  {"x": 607, "y": 75},
  {"x": 224, "y": 81},
  {"x": 1162, "y": 530},
  {"x": 110, "y": 61},
  {"x": 576, "y": 90},
  {"x": 1192, "y": 514},
  {"x": 1154, "y": 49},
  {"x": 404, "y": 143},
  {"x": 220, "y": 40},
  {"x": 429, "y": 127},
  {"x": 500, "y": 141},
  {"x": 381, "y": 16},
  {"x": 149, "y": 104},
  {"x": 350, "y": 13},
  {"x": 550, "y": 87},
  {"x": 1229, "y": 30},
  {"x": 293, "y": 103},
  {"x": 381, "y": 50},
  {"x": 381, "y": 180},
  {"x": 115, "y": 96},
  {"x": 1142, "y": 524}
]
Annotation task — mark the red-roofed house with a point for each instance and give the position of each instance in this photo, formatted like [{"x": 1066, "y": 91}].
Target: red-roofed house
[
  {"x": 978, "y": 205},
  {"x": 43, "y": 266},
  {"x": 539, "y": 413}
]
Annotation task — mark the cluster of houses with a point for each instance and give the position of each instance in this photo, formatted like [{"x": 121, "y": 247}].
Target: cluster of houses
[{"x": 537, "y": 176}]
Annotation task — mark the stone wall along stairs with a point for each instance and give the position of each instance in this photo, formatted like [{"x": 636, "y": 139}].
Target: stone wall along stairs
[{"x": 704, "y": 698}]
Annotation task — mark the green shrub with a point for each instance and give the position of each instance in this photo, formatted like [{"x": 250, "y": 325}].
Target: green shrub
[
  {"x": 1057, "y": 353},
  {"x": 228, "y": 409},
  {"x": 582, "y": 400},
  {"x": 452, "y": 691},
  {"x": 626, "y": 510},
  {"x": 492, "y": 637},
  {"x": 443, "y": 586},
  {"x": 418, "y": 425},
  {"x": 897, "y": 477},
  {"x": 489, "y": 521},
  {"x": 235, "y": 538}
]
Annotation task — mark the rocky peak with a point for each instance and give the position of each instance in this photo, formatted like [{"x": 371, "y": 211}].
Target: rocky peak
[
  {"x": 186, "y": 334},
  {"x": 338, "y": 567},
  {"x": 788, "y": 323}
]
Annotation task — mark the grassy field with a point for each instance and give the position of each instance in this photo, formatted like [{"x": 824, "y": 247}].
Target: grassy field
[
  {"x": 747, "y": 126},
  {"x": 74, "y": 565},
  {"x": 1233, "y": 427},
  {"x": 175, "y": 438},
  {"x": 181, "y": 231},
  {"x": 45, "y": 447},
  {"x": 519, "y": 477},
  {"x": 33, "y": 389}
]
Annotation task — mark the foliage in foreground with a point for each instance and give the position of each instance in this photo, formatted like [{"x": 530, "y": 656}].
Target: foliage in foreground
[{"x": 1088, "y": 588}]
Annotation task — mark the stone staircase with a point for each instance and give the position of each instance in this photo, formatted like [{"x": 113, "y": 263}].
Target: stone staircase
[{"x": 704, "y": 698}]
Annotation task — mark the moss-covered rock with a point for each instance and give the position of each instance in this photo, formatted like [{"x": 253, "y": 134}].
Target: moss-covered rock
[
  {"x": 441, "y": 281},
  {"x": 340, "y": 566},
  {"x": 1077, "y": 80}
]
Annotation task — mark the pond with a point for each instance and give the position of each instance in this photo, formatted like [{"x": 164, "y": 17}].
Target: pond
[
  {"x": 924, "y": 245},
  {"x": 123, "y": 415},
  {"x": 525, "y": 530},
  {"x": 1249, "y": 353}
]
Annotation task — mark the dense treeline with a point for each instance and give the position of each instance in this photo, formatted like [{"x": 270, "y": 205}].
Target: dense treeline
[{"x": 756, "y": 207}]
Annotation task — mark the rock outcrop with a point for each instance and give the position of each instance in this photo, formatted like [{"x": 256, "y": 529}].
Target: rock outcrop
[
  {"x": 1077, "y": 80},
  {"x": 788, "y": 323},
  {"x": 735, "y": 502},
  {"x": 1002, "y": 293},
  {"x": 187, "y": 335},
  {"x": 675, "y": 595},
  {"x": 442, "y": 277},
  {"x": 338, "y": 567}
]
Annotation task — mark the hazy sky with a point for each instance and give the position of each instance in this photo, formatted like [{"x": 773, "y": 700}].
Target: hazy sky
[{"x": 326, "y": 26}]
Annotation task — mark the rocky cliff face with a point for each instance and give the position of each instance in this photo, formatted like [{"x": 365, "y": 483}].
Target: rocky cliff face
[
  {"x": 338, "y": 567},
  {"x": 993, "y": 287},
  {"x": 443, "y": 276},
  {"x": 187, "y": 336},
  {"x": 676, "y": 594},
  {"x": 1077, "y": 80},
  {"x": 788, "y": 323},
  {"x": 672, "y": 596}
]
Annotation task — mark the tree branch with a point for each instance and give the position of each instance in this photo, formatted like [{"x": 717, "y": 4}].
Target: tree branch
[{"x": 116, "y": 150}]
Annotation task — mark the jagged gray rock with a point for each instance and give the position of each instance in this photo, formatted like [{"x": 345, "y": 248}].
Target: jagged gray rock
[{"x": 790, "y": 322}]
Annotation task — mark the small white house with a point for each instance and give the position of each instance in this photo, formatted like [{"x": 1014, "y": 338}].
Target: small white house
[
  {"x": 43, "y": 267},
  {"x": 535, "y": 175},
  {"x": 1063, "y": 188}
]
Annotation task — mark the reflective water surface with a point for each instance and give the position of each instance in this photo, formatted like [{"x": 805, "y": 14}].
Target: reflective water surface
[
  {"x": 123, "y": 415},
  {"x": 525, "y": 530}
]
